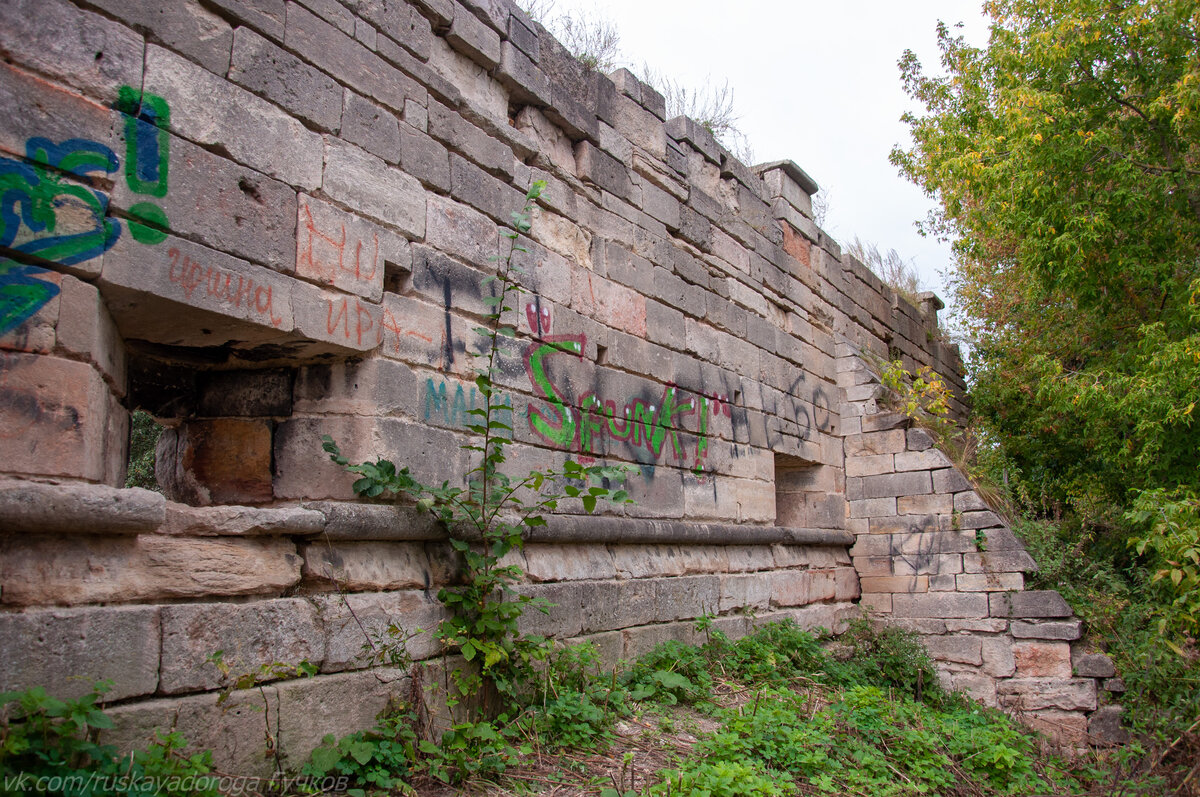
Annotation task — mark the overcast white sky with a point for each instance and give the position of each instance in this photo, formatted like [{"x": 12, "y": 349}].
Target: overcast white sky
[{"x": 814, "y": 81}]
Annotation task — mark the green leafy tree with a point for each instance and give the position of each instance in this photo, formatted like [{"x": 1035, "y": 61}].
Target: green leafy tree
[{"x": 1066, "y": 158}]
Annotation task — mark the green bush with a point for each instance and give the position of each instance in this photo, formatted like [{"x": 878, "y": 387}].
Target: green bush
[{"x": 48, "y": 746}]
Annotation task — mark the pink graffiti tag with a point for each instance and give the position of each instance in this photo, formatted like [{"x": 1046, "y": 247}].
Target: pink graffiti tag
[{"x": 219, "y": 284}]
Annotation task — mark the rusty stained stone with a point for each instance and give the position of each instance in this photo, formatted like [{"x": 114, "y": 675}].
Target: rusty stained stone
[{"x": 220, "y": 461}]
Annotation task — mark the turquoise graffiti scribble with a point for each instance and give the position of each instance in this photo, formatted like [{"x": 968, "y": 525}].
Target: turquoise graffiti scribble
[{"x": 49, "y": 216}]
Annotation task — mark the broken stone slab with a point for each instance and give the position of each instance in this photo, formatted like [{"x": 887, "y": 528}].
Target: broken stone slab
[
  {"x": 43, "y": 508},
  {"x": 241, "y": 521}
]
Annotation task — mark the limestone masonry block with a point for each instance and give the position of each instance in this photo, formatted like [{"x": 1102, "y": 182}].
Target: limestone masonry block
[
  {"x": 233, "y": 731},
  {"x": 568, "y": 562},
  {"x": 367, "y": 566},
  {"x": 349, "y": 701},
  {"x": 73, "y": 570},
  {"x": 66, "y": 651},
  {"x": 999, "y": 562},
  {"x": 1104, "y": 726},
  {"x": 249, "y": 635},
  {"x": 238, "y": 521},
  {"x": 1065, "y": 630},
  {"x": 61, "y": 418},
  {"x": 1042, "y": 659},
  {"x": 1093, "y": 665},
  {"x": 275, "y": 74},
  {"x": 961, "y": 649},
  {"x": 33, "y": 507},
  {"x": 929, "y": 459},
  {"x": 212, "y": 111},
  {"x": 220, "y": 461},
  {"x": 887, "y": 442},
  {"x": 1037, "y": 694},
  {"x": 366, "y": 183},
  {"x": 988, "y": 582},
  {"x": 59, "y": 40},
  {"x": 1031, "y": 604},
  {"x": 966, "y": 605},
  {"x": 924, "y": 504}
]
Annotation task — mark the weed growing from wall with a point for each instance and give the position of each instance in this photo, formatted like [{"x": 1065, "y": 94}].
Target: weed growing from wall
[{"x": 489, "y": 517}]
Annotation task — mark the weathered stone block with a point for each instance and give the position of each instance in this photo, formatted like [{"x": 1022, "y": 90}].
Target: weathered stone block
[
  {"x": 61, "y": 418},
  {"x": 241, "y": 521},
  {"x": 367, "y": 184},
  {"x": 1066, "y": 728},
  {"x": 361, "y": 566},
  {"x": 1042, "y": 659},
  {"x": 872, "y": 508},
  {"x": 1093, "y": 665},
  {"x": 640, "y": 641},
  {"x": 949, "y": 480},
  {"x": 940, "y": 606},
  {"x": 888, "y": 485},
  {"x": 912, "y": 584},
  {"x": 349, "y": 61},
  {"x": 32, "y": 507},
  {"x": 370, "y": 126},
  {"x": 1067, "y": 630},
  {"x": 957, "y": 648},
  {"x": 613, "y": 605},
  {"x": 84, "y": 50},
  {"x": 998, "y": 657},
  {"x": 67, "y": 651},
  {"x": 247, "y": 635},
  {"x": 233, "y": 731},
  {"x": 85, "y": 328},
  {"x": 686, "y": 597},
  {"x": 1030, "y": 604},
  {"x": 1104, "y": 726},
  {"x": 873, "y": 443},
  {"x": 930, "y": 459},
  {"x": 522, "y": 77},
  {"x": 989, "y": 582},
  {"x": 310, "y": 708},
  {"x": 869, "y": 464},
  {"x": 424, "y": 158},
  {"x": 1037, "y": 694},
  {"x": 212, "y": 111},
  {"x": 282, "y": 78},
  {"x": 72, "y": 570},
  {"x": 565, "y": 615},
  {"x": 924, "y": 504},
  {"x": 221, "y": 461},
  {"x": 477, "y": 41},
  {"x": 568, "y": 562},
  {"x": 349, "y": 645},
  {"x": 200, "y": 179},
  {"x": 345, "y": 251},
  {"x": 999, "y": 562}
]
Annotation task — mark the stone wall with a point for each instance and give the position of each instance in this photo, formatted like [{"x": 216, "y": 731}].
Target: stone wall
[{"x": 265, "y": 221}]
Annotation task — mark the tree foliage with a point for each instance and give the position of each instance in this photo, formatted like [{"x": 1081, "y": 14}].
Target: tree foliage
[{"x": 1066, "y": 158}]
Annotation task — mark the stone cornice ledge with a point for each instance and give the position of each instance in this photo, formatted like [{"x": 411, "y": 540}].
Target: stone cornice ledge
[
  {"x": 39, "y": 507},
  {"x": 608, "y": 529}
]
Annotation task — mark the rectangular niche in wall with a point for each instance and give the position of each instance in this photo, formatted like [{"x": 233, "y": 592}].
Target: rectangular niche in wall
[{"x": 807, "y": 495}]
